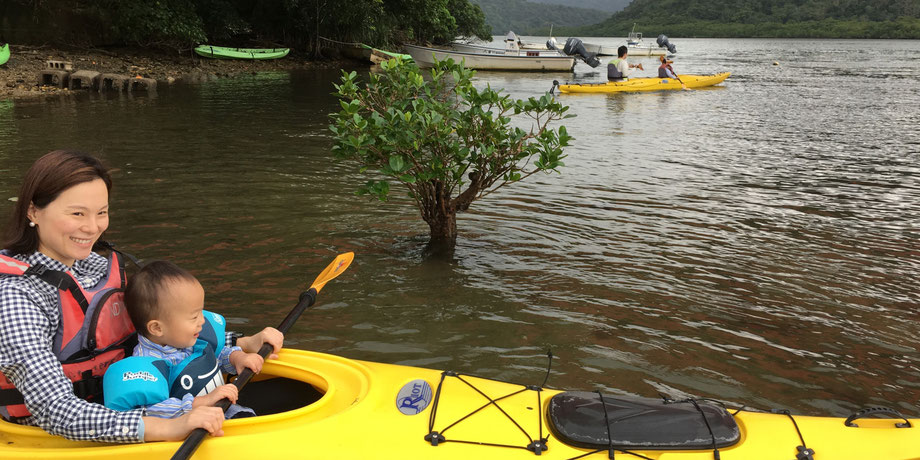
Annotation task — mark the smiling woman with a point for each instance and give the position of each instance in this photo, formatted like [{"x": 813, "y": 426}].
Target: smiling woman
[
  {"x": 68, "y": 226},
  {"x": 55, "y": 290}
]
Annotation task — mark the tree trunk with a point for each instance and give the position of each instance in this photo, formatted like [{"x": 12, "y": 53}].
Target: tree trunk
[{"x": 443, "y": 227}]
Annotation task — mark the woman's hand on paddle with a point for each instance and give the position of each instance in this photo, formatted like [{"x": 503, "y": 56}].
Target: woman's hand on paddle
[
  {"x": 242, "y": 360},
  {"x": 229, "y": 391},
  {"x": 251, "y": 344},
  {"x": 209, "y": 418},
  {"x": 176, "y": 429}
]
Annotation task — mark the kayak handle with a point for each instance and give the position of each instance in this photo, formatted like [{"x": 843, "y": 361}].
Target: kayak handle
[{"x": 877, "y": 410}]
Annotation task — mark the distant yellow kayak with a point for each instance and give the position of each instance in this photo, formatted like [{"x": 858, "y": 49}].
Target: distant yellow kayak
[
  {"x": 646, "y": 84},
  {"x": 322, "y": 406}
]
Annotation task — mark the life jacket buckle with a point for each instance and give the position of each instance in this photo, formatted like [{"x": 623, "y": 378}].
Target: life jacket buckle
[{"x": 37, "y": 270}]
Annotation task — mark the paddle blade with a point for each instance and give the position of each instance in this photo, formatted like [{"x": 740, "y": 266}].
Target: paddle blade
[{"x": 339, "y": 265}]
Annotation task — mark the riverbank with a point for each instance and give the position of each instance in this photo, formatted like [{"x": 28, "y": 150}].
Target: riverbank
[{"x": 19, "y": 76}]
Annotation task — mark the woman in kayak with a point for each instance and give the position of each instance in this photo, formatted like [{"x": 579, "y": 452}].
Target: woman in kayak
[
  {"x": 666, "y": 71},
  {"x": 49, "y": 275}
]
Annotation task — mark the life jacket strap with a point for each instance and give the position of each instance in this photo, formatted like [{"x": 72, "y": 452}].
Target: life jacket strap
[
  {"x": 11, "y": 397},
  {"x": 111, "y": 247},
  {"x": 60, "y": 280},
  {"x": 89, "y": 387}
]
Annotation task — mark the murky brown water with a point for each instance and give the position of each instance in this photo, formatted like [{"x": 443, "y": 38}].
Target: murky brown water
[{"x": 758, "y": 242}]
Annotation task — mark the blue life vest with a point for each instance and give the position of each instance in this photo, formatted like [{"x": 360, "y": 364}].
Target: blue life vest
[{"x": 140, "y": 381}]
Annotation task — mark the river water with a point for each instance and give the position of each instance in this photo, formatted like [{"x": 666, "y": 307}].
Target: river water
[{"x": 757, "y": 242}]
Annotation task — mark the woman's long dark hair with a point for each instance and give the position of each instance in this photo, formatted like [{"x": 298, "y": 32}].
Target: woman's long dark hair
[{"x": 50, "y": 175}]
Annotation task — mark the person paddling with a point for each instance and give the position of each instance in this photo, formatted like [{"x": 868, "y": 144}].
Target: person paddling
[
  {"x": 50, "y": 275},
  {"x": 666, "y": 71},
  {"x": 618, "y": 69}
]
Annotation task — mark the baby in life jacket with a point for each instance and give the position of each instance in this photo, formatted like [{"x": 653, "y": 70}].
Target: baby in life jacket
[{"x": 181, "y": 354}]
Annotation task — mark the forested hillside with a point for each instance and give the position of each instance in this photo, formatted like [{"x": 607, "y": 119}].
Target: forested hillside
[
  {"x": 609, "y": 6},
  {"x": 529, "y": 18},
  {"x": 765, "y": 18}
]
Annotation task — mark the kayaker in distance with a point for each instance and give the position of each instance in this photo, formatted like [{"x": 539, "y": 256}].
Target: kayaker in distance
[
  {"x": 61, "y": 211},
  {"x": 618, "y": 69},
  {"x": 666, "y": 71},
  {"x": 166, "y": 305}
]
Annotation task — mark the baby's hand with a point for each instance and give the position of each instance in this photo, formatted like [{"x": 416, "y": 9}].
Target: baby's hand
[
  {"x": 229, "y": 391},
  {"x": 242, "y": 360},
  {"x": 270, "y": 335}
]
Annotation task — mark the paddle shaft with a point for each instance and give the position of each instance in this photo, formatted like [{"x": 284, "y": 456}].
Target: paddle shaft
[{"x": 188, "y": 448}]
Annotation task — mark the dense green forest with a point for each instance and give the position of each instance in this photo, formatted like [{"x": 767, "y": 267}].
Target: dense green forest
[
  {"x": 764, "y": 18},
  {"x": 610, "y": 6},
  {"x": 529, "y": 18},
  {"x": 182, "y": 24}
]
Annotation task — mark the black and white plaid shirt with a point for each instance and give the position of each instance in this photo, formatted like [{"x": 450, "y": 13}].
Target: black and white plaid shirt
[{"x": 29, "y": 316}]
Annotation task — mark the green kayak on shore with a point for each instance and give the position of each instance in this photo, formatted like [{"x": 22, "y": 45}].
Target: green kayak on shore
[
  {"x": 4, "y": 53},
  {"x": 221, "y": 52}
]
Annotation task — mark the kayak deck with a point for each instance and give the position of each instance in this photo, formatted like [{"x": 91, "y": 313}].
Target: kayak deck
[
  {"x": 646, "y": 84},
  {"x": 357, "y": 409},
  {"x": 221, "y": 52}
]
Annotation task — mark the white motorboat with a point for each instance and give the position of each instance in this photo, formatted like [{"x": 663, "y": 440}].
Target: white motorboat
[{"x": 532, "y": 60}]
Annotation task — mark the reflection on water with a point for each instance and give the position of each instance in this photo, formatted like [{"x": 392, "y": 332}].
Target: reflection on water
[{"x": 756, "y": 242}]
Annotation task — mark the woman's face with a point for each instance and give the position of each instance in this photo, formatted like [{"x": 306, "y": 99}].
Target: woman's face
[{"x": 69, "y": 225}]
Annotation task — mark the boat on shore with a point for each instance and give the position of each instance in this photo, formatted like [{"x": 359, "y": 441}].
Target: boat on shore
[
  {"x": 515, "y": 51},
  {"x": 531, "y": 60},
  {"x": 320, "y": 406},
  {"x": 222, "y": 52},
  {"x": 379, "y": 55},
  {"x": 362, "y": 52},
  {"x": 4, "y": 53},
  {"x": 634, "y": 85}
]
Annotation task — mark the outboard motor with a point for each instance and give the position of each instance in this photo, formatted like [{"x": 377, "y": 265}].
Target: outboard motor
[
  {"x": 575, "y": 47},
  {"x": 551, "y": 44},
  {"x": 664, "y": 43},
  {"x": 512, "y": 42}
]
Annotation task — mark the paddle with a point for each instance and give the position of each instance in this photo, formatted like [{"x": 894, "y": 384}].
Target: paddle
[
  {"x": 307, "y": 298},
  {"x": 682, "y": 85}
]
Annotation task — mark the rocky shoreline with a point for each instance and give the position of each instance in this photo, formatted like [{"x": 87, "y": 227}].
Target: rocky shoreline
[{"x": 19, "y": 76}]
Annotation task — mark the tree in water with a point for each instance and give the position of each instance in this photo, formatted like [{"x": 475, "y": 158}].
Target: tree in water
[{"x": 447, "y": 142}]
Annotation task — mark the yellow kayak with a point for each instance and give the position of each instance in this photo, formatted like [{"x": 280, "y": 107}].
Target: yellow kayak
[
  {"x": 646, "y": 84},
  {"x": 330, "y": 407}
]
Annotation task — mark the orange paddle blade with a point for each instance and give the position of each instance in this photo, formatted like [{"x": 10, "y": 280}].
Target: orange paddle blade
[{"x": 339, "y": 265}]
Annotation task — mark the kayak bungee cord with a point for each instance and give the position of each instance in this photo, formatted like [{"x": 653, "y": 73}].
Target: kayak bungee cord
[
  {"x": 611, "y": 451},
  {"x": 437, "y": 437},
  {"x": 804, "y": 452}
]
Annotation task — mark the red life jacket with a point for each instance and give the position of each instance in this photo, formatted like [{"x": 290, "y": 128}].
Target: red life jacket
[{"x": 94, "y": 332}]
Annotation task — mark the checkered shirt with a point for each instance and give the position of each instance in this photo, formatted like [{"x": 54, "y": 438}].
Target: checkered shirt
[{"x": 29, "y": 317}]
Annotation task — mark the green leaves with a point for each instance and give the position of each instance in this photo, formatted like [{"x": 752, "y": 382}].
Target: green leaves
[
  {"x": 397, "y": 164},
  {"x": 445, "y": 140}
]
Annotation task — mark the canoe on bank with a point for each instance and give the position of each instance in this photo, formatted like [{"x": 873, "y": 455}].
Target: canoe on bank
[
  {"x": 4, "y": 53},
  {"x": 221, "y": 52},
  {"x": 320, "y": 406},
  {"x": 646, "y": 84}
]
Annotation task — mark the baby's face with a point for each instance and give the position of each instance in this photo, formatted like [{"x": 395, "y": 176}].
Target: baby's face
[{"x": 182, "y": 306}]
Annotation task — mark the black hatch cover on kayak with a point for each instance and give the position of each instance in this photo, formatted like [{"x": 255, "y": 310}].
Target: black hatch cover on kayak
[{"x": 577, "y": 418}]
